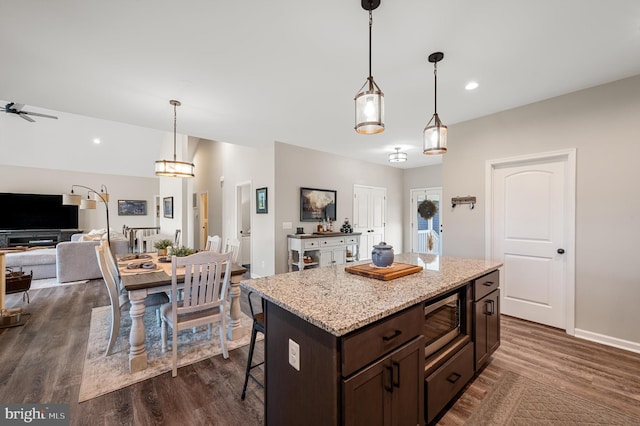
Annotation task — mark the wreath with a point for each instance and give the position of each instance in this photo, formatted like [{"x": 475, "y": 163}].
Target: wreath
[{"x": 427, "y": 209}]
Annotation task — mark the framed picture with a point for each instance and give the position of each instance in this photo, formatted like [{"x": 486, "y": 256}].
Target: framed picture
[
  {"x": 261, "y": 200},
  {"x": 132, "y": 207},
  {"x": 167, "y": 204},
  {"x": 317, "y": 204}
]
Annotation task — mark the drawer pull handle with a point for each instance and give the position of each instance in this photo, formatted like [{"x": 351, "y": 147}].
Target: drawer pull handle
[
  {"x": 489, "y": 307},
  {"x": 488, "y": 283},
  {"x": 453, "y": 377},
  {"x": 396, "y": 368},
  {"x": 390, "y": 387},
  {"x": 393, "y": 336}
]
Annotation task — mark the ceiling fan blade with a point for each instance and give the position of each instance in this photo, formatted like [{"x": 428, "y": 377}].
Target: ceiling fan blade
[
  {"x": 37, "y": 114},
  {"x": 27, "y": 117},
  {"x": 16, "y": 107}
]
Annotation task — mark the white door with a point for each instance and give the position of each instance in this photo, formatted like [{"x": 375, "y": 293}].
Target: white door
[
  {"x": 369, "y": 216},
  {"x": 532, "y": 222},
  {"x": 425, "y": 233}
]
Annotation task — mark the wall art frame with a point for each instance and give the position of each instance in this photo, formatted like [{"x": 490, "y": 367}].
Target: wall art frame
[
  {"x": 262, "y": 201},
  {"x": 167, "y": 207},
  {"x": 317, "y": 204},
  {"x": 132, "y": 207}
]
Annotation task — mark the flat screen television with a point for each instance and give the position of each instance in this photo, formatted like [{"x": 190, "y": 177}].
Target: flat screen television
[{"x": 35, "y": 211}]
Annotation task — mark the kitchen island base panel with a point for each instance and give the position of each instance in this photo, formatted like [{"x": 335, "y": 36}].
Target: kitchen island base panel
[{"x": 307, "y": 396}]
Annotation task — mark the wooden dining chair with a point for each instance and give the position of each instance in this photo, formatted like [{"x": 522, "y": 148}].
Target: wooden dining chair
[
  {"x": 119, "y": 299},
  {"x": 206, "y": 284},
  {"x": 232, "y": 245},
  {"x": 213, "y": 243}
]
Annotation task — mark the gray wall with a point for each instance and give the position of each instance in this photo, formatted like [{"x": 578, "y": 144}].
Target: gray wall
[
  {"x": 603, "y": 123},
  {"x": 297, "y": 167},
  {"x": 47, "y": 181}
]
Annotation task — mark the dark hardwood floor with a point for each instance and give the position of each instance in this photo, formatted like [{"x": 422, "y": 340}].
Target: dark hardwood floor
[{"x": 42, "y": 362}]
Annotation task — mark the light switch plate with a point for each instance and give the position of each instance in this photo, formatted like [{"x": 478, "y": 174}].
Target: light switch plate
[{"x": 294, "y": 354}]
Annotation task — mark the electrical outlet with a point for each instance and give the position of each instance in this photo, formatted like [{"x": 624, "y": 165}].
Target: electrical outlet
[{"x": 294, "y": 354}]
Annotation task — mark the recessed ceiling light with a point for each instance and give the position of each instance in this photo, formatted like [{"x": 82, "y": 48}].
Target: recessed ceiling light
[
  {"x": 472, "y": 85},
  {"x": 96, "y": 141}
]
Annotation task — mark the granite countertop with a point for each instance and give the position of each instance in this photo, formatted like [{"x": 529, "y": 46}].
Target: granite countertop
[{"x": 340, "y": 302}]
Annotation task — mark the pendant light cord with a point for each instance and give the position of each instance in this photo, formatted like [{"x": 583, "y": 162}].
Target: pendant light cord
[
  {"x": 435, "y": 87},
  {"x": 370, "y": 26},
  {"x": 174, "y": 131}
]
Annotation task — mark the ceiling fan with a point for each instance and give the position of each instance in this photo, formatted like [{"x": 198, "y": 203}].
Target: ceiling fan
[{"x": 14, "y": 108}]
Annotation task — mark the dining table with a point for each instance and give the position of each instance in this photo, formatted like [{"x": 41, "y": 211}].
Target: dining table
[{"x": 141, "y": 282}]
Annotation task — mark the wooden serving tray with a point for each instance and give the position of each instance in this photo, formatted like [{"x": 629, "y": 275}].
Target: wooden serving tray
[{"x": 396, "y": 270}]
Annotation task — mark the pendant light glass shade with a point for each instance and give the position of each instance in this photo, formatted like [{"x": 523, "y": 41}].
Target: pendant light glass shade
[
  {"x": 174, "y": 168},
  {"x": 369, "y": 101},
  {"x": 398, "y": 157},
  {"x": 370, "y": 109},
  {"x": 435, "y": 137},
  {"x": 435, "y": 133}
]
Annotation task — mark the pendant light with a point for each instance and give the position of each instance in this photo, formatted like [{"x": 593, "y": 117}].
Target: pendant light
[
  {"x": 435, "y": 135},
  {"x": 370, "y": 99},
  {"x": 174, "y": 168},
  {"x": 398, "y": 157}
]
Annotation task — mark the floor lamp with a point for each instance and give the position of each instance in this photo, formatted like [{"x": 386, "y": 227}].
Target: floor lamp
[{"x": 73, "y": 199}]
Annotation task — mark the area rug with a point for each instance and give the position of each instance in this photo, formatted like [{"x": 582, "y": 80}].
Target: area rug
[
  {"x": 52, "y": 282},
  {"x": 102, "y": 375},
  {"x": 517, "y": 400}
]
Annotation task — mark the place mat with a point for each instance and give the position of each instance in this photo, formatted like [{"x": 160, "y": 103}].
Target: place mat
[{"x": 396, "y": 270}]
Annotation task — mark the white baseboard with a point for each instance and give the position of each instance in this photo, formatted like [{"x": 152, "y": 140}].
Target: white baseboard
[{"x": 608, "y": 340}]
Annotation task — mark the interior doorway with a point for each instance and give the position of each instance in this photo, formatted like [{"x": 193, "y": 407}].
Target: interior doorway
[
  {"x": 530, "y": 224},
  {"x": 369, "y": 216},
  {"x": 200, "y": 219},
  {"x": 243, "y": 221},
  {"x": 426, "y": 235}
]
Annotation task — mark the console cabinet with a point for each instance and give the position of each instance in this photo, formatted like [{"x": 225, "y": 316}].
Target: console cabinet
[
  {"x": 324, "y": 250},
  {"x": 34, "y": 238}
]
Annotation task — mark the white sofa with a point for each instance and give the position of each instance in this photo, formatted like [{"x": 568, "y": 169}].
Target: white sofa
[
  {"x": 76, "y": 260},
  {"x": 42, "y": 262}
]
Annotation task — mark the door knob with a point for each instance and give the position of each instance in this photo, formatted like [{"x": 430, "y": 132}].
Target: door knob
[{"x": 560, "y": 251}]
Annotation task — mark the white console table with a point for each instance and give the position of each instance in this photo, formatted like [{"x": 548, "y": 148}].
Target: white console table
[{"x": 327, "y": 248}]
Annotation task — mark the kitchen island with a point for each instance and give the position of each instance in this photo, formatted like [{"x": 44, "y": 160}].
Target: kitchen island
[{"x": 333, "y": 338}]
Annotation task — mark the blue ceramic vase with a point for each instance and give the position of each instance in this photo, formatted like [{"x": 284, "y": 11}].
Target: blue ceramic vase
[{"x": 382, "y": 255}]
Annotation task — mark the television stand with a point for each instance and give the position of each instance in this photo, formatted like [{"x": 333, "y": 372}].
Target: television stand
[{"x": 35, "y": 237}]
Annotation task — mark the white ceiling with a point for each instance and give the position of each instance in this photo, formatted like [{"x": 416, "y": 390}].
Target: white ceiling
[{"x": 254, "y": 72}]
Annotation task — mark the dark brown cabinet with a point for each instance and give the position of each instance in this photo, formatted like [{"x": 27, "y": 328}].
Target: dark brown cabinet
[
  {"x": 486, "y": 308},
  {"x": 449, "y": 379},
  {"x": 385, "y": 392},
  {"x": 373, "y": 376}
]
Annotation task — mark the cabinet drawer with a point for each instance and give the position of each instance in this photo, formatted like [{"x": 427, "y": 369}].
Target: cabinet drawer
[
  {"x": 486, "y": 284},
  {"x": 367, "y": 345},
  {"x": 447, "y": 381},
  {"x": 331, "y": 242},
  {"x": 352, "y": 240},
  {"x": 310, "y": 244}
]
